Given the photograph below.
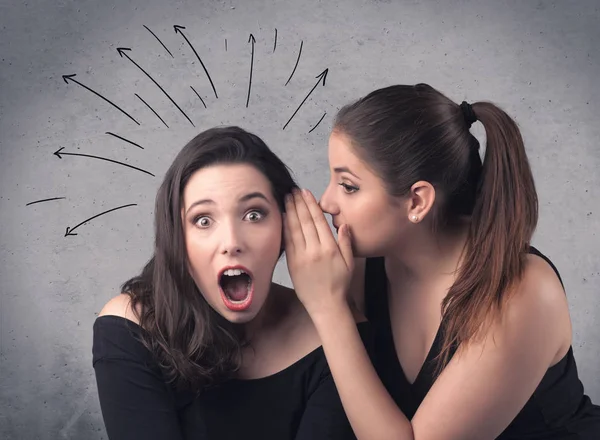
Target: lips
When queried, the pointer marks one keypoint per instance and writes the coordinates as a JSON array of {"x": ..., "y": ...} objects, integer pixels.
[{"x": 236, "y": 285}]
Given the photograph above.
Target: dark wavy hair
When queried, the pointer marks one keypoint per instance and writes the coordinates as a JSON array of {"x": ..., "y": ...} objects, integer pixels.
[{"x": 194, "y": 345}]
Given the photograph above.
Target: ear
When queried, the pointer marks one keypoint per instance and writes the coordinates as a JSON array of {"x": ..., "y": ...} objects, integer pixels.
[{"x": 420, "y": 201}]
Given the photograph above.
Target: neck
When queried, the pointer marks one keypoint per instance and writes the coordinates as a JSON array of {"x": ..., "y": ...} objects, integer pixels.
[
  {"x": 263, "y": 319},
  {"x": 425, "y": 257}
]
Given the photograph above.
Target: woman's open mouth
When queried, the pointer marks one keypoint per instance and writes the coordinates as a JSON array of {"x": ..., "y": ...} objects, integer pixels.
[{"x": 237, "y": 287}]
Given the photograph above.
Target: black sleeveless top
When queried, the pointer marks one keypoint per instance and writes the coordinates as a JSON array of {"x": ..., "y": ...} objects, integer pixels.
[{"x": 558, "y": 409}]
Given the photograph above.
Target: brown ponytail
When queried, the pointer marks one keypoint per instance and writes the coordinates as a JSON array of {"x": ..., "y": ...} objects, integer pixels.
[{"x": 503, "y": 220}]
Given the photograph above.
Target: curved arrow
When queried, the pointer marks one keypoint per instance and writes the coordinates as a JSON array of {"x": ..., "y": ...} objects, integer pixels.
[
  {"x": 70, "y": 230},
  {"x": 178, "y": 29},
  {"x": 58, "y": 153},
  {"x": 163, "y": 45},
  {"x": 122, "y": 52},
  {"x": 296, "y": 66},
  {"x": 45, "y": 200},
  {"x": 320, "y": 76},
  {"x": 70, "y": 77},
  {"x": 253, "y": 40},
  {"x": 123, "y": 139},
  {"x": 317, "y": 124},
  {"x": 153, "y": 111}
]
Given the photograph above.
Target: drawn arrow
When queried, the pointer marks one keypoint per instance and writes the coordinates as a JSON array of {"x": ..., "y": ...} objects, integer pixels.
[
  {"x": 296, "y": 66},
  {"x": 178, "y": 29},
  {"x": 153, "y": 111},
  {"x": 198, "y": 95},
  {"x": 123, "y": 139},
  {"x": 321, "y": 76},
  {"x": 317, "y": 124},
  {"x": 163, "y": 45},
  {"x": 45, "y": 200},
  {"x": 69, "y": 230},
  {"x": 122, "y": 52},
  {"x": 58, "y": 153},
  {"x": 66, "y": 78},
  {"x": 253, "y": 40}
]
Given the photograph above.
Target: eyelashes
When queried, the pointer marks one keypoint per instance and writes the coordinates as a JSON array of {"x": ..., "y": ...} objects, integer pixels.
[{"x": 348, "y": 189}]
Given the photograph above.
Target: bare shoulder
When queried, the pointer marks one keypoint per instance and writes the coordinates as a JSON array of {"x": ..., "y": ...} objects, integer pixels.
[
  {"x": 538, "y": 306},
  {"x": 119, "y": 305}
]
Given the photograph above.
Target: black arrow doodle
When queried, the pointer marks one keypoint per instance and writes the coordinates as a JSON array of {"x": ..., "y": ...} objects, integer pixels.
[
  {"x": 321, "y": 76},
  {"x": 148, "y": 105},
  {"x": 123, "y": 139},
  {"x": 275, "y": 43},
  {"x": 122, "y": 51},
  {"x": 70, "y": 77},
  {"x": 317, "y": 124},
  {"x": 45, "y": 200},
  {"x": 58, "y": 153},
  {"x": 163, "y": 45},
  {"x": 178, "y": 30},
  {"x": 297, "y": 61},
  {"x": 253, "y": 40},
  {"x": 69, "y": 230},
  {"x": 198, "y": 95}
]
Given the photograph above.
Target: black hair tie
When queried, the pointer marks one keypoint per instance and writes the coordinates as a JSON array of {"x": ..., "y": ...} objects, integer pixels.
[{"x": 468, "y": 113}]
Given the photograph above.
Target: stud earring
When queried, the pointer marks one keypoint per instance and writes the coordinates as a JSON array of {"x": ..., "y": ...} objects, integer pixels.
[{"x": 414, "y": 218}]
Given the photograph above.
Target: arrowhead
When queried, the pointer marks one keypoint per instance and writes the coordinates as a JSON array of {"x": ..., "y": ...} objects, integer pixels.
[
  {"x": 323, "y": 75},
  {"x": 66, "y": 77},
  {"x": 57, "y": 152},
  {"x": 121, "y": 50},
  {"x": 251, "y": 38},
  {"x": 68, "y": 232},
  {"x": 178, "y": 28}
]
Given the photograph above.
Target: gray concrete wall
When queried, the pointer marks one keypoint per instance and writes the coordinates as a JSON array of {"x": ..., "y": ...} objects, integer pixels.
[{"x": 540, "y": 60}]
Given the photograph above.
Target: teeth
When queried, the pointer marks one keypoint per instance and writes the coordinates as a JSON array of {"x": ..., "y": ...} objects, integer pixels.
[{"x": 233, "y": 272}]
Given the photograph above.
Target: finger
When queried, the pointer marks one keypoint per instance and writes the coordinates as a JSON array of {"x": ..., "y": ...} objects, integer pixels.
[
  {"x": 306, "y": 221},
  {"x": 319, "y": 220},
  {"x": 345, "y": 245},
  {"x": 287, "y": 238},
  {"x": 293, "y": 224}
]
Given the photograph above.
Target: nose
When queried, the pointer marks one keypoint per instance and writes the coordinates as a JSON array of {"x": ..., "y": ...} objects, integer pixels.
[
  {"x": 327, "y": 202},
  {"x": 231, "y": 240}
]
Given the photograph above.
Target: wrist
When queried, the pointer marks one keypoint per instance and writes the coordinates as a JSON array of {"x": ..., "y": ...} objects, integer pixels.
[{"x": 332, "y": 316}]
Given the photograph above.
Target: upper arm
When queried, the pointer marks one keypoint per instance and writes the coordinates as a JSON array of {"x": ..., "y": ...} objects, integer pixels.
[
  {"x": 134, "y": 398},
  {"x": 324, "y": 416},
  {"x": 487, "y": 383}
]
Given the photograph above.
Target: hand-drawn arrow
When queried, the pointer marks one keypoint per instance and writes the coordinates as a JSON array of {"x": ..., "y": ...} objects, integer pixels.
[
  {"x": 178, "y": 29},
  {"x": 69, "y": 230},
  {"x": 153, "y": 111},
  {"x": 123, "y": 139},
  {"x": 58, "y": 153},
  {"x": 45, "y": 200},
  {"x": 122, "y": 51},
  {"x": 296, "y": 66},
  {"x": 321, "y": 76},
  {"x": 317, "y": 124},
  {"x": 70, "y": 77},
  {"x": 253, "y": 40},
  {"x": 163, "y": 45},
  {"x": 198, "y": 95}
]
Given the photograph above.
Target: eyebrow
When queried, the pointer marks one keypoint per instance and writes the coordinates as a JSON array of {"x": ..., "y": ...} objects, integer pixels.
[
  {"x": 244, "y": 198},
  {"x": 345, "y": 170}
]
